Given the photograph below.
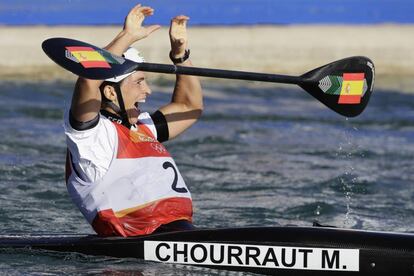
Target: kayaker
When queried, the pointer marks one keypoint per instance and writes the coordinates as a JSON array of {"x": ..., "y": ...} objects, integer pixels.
[{"x": 119, "y": 174}]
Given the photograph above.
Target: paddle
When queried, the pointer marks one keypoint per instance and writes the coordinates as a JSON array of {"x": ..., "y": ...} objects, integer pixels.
[{"x": 345, "y": 85}]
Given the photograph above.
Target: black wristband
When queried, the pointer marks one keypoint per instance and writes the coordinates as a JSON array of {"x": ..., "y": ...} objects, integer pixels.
[{"x": 181, "y": 59}]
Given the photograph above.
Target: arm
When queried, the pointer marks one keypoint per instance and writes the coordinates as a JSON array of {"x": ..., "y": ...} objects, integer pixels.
[
  {"x": 186, "y": 104},
  {"x": 86, "y": 100}
]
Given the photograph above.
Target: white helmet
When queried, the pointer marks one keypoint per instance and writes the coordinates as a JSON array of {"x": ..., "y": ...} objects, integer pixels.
[{"x": 133, "y": 55}]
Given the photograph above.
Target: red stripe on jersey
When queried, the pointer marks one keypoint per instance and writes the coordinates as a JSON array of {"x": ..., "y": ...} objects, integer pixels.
[
  {"x": 145, "y": 220},
  {"x": 138, "y": 144}
]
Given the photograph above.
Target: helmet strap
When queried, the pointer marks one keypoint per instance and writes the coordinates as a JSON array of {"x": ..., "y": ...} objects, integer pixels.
[
  {"x": 121, "y": 110},
  {"x": 113, "y": 106}
]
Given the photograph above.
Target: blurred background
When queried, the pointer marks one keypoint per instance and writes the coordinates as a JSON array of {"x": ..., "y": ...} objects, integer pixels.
[
  {"x": 261, "y": 35},
  {"x": 213, "y": 12},
  {"x": 261, "y": 155}
]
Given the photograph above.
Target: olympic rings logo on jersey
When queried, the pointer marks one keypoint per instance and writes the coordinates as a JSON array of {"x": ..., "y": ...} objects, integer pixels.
[{"x": 158, "y": 147}]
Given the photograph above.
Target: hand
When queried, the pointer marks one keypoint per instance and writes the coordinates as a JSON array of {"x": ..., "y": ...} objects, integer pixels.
[
  {"x": 178, "y": 35},
  {"x": 133, "y": 22}
]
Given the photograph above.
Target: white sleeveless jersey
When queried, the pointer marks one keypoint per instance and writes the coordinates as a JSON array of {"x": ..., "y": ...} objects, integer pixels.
[{"x": 141, "y": 190}]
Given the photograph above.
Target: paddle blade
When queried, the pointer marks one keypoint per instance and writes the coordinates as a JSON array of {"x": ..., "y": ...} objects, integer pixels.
[
  {"x": 345, "y": 85},
  {"x": 86, "y": 60}
]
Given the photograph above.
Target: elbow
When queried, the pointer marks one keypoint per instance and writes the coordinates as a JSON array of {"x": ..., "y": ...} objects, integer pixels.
[
  {"x": 200, "y": 107},
  {"x": 193, "y": 111},
  {"x": 198, "y": 110},
  {"x": 195, "y": 107}
]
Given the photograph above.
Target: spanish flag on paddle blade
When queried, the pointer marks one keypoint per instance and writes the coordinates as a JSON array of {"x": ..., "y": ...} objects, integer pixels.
[
  {"x": 88, "y": 57},
  {"x": 352, "y": 88}
]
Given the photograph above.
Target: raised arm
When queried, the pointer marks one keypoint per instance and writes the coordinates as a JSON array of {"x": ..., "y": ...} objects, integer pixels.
[
  {"x": 86, "y": 100},
  {"x": 187, "y": 101}
]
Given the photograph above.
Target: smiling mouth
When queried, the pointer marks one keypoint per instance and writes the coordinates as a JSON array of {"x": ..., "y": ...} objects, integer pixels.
[{"x": 136, "y": 106}]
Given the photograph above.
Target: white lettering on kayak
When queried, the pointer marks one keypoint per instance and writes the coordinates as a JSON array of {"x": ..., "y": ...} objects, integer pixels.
[{"x": 278, "y": 257}]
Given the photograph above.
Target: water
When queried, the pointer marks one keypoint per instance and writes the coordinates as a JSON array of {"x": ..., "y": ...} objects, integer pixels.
[{"x": 262, "y": 155}]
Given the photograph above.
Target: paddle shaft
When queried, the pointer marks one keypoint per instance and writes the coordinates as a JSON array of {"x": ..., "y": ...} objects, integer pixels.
[
  {"x": 323, "y": 83},
  {"x": 217, "y": 73}
]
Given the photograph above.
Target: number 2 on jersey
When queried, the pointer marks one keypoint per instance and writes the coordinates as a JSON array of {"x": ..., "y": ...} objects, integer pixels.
[{"x": 167, "y": 165}]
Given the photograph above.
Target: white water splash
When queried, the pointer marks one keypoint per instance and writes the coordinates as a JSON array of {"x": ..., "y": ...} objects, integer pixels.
[{"x": 348, "y": 150}]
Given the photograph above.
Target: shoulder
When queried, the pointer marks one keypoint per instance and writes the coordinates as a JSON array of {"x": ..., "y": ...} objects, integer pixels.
[
  {"x": 102, "y": 135},
  {"x": 145, "y": 118},
  {"x": 92, "y": 150},
  {"x": 101, "y": 124}
]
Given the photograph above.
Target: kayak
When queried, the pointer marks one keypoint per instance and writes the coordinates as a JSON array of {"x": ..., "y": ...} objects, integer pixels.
[{"x": 284, "y": 250}]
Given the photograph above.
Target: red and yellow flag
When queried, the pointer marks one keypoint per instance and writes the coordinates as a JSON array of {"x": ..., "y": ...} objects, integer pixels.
[
  {"x": 352, "y": 88},
  {"x": 88, "y": 57}
]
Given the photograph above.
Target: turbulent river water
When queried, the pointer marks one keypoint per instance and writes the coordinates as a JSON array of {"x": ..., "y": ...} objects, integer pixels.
[{"x": 261, "y": 155}]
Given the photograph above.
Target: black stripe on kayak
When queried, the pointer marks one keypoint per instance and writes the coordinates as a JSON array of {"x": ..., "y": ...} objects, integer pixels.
[{"x": 265, "y": 250}]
